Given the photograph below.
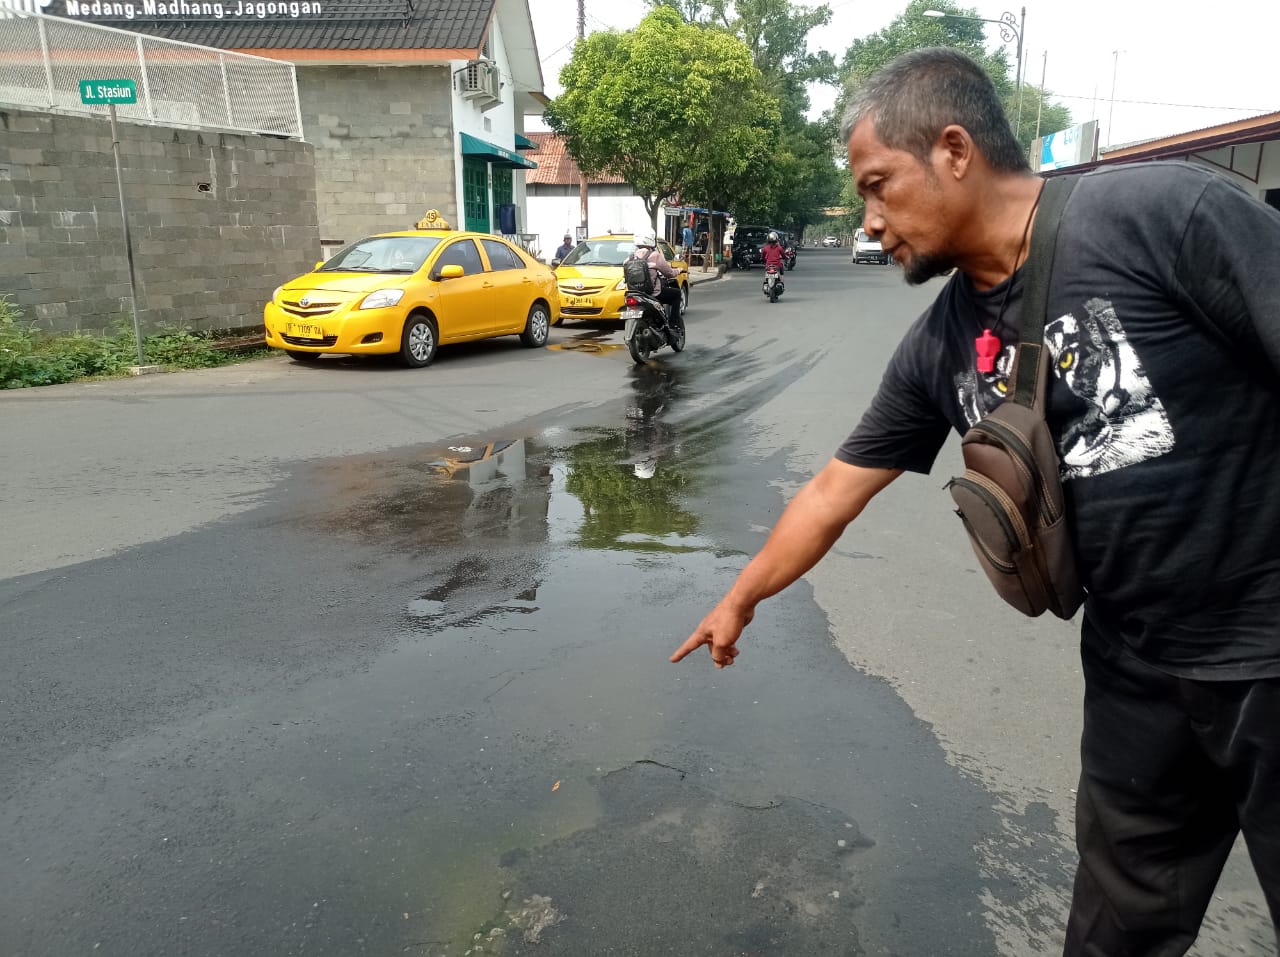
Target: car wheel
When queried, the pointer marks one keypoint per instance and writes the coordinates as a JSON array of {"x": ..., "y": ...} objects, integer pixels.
[
  {"x": 684, "y": 299},
  {"x": 537, "y": 327},
  {"x": 419, "y": 341},
  {"x": 303, "y": 356}
]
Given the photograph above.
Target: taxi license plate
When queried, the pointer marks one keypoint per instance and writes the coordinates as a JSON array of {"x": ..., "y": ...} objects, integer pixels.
[
  {"x": 304, "y": 330},
  {"x": 578, "y": 301}
]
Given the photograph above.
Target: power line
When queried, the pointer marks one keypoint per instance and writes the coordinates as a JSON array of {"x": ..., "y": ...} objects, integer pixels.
[
  {"x": 564, "y": 46},
  {"x": 1186, "y": 106}
]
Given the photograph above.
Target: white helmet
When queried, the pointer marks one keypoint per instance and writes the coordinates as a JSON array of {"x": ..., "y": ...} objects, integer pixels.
[{"x": 646, "y": 238}]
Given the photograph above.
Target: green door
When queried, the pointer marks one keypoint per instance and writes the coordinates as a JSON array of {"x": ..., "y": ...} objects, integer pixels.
[
  {"x": 475, "y": 194},
  {"x": 502, "y": 194}
]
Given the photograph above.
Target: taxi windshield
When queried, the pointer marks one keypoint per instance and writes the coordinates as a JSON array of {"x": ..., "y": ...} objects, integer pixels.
[
  {"x": 600, "y": 252},
  {"x": 383, "y": 254}
]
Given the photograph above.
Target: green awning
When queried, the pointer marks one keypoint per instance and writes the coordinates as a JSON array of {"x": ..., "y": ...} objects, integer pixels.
[
  {"x": 524, "y": 143},
  {"x": 474, "y": 146}
]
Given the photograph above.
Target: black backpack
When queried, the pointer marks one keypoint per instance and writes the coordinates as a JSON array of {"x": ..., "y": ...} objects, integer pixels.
[{"x": 638, "y": 275}]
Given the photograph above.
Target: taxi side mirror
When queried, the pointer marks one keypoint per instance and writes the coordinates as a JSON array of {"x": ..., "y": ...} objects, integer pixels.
[
  {"x": 452, "y": 272},
  {"x": 555, "y": 263}
]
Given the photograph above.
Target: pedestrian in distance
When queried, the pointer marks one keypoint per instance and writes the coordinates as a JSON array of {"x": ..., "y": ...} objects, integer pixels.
[
  {"x": 1163, "y": 335},
  {"x": 566, "y": 247}
]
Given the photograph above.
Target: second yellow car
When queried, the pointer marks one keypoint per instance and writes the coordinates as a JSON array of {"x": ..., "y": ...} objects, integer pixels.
[{"x": 590, "y": 277}]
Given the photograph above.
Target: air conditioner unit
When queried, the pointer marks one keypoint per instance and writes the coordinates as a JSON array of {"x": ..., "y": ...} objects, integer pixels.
[{"x": 480, "y": 81}]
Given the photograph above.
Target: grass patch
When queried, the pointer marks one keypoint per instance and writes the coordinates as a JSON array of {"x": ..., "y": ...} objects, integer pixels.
[{"x": 30, "y": 357}]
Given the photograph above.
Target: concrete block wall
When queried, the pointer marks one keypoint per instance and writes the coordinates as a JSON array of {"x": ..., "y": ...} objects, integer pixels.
[
  {"x": 384, "y": 143},
  {"x": 218, "y": 220}
]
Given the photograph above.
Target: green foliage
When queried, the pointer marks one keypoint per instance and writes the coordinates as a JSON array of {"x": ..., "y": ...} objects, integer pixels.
[
  {"x": 775, "y": 31},
  {"x": 799, "y": 177},
  {"x": 911, "y": 30},
  {"x": 663, "y": 106},
  {"x": 802, "y": 180},
  {"x": 29, "y": 357},
  {"x": 618, "y": 504}
]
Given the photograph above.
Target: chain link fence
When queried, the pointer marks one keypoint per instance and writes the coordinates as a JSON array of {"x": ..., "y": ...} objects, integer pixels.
[{"x": 43, "y": 59}]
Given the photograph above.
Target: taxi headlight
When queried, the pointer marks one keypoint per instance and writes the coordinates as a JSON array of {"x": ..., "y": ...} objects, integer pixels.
[
  {"x": 622, "y": 283},
  {"x": 382, "y": 298},
  {"x": 275, "y": 296}
]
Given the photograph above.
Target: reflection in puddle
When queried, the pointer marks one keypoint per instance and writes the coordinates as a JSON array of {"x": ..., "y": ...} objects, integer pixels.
[
  {"x": 589, "y": 346},
  {"x": 483, "y": 464}
]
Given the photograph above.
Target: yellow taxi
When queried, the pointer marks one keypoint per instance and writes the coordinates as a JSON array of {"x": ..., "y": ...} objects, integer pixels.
[
  {"x": 411, "y": 292},
  {"x": 590, "y": 277}
]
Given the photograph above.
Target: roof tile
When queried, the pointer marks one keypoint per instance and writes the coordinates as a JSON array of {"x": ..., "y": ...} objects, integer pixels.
[
  {"x": 555, "y": 166},
  {"x": 370, "y": 24}
]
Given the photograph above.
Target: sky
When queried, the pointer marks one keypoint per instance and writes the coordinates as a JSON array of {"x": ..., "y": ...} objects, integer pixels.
[{"x": 1176, "y": 67}]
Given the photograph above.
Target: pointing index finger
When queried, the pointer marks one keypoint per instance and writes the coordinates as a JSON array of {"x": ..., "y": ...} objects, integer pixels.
[{"x": 694, "y": 641}]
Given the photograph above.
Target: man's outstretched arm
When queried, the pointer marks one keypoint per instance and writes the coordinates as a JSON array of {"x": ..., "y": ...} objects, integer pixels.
[{"x": 809, "y": 526}]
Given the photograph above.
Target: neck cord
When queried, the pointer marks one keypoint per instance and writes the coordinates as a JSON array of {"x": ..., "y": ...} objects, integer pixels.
[
  {"x": 988, "y": 345},
  {"x": 1026, "y": 231}
]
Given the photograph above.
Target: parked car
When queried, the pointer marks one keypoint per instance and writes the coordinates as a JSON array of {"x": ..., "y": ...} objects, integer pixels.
[
  {"x": 790, "y": 248},
  {"x": 747, "y": 241},
  {"x": 411, "y": 292},
  {"x": 590, "y": 279},
  {"x": 868, "y": 250}
]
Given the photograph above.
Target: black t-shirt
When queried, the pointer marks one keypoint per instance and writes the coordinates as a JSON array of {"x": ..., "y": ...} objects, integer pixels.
[{"x": 1164, "y": 330}]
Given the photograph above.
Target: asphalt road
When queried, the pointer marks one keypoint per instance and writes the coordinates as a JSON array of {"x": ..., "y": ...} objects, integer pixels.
[{"x": 345, "y": 659}]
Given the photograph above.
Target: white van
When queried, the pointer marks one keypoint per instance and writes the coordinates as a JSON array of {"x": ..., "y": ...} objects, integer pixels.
[{"x": 868, "y": 250}]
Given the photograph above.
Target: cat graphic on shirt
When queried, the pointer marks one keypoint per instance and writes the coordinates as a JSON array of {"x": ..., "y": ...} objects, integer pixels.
[{"x": 1124, "y": 422}]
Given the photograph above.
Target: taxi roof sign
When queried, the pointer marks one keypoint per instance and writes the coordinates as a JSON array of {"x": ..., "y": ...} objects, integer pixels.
[{"x": 433, "y": 220}]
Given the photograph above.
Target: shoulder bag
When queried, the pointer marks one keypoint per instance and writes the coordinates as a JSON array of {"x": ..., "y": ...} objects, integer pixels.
[{"x": 1010, "y": 495}]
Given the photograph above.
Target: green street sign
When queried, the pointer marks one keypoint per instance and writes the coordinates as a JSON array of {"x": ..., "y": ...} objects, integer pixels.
[{"x": 102, "y": 92}]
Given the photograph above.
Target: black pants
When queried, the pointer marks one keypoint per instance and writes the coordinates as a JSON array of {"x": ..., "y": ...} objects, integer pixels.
[
  {"x": 1172, "y": 769},
  {"x": 671, "y": 296}
]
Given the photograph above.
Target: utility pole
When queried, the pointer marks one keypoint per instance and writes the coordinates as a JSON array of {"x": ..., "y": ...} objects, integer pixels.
[
  {"x": 583, "y": 193},
  {"x": 1022, "y": 29},
  {"x": 1040, "y": 106},
  {"x": 1112, "y": 111}
]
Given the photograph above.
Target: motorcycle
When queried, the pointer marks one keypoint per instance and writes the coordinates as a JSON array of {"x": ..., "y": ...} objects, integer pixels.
[
  {"x": 646, "y": 327},
  {"x": 789, "y": 257},
  {"x": 773, "y": 285}
]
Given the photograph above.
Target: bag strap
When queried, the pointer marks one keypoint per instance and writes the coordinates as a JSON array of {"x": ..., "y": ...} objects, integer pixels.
[{"x": 1031, "y": 365}]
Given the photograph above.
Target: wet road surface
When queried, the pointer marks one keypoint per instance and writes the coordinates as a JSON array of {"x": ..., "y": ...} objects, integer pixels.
[{"x": 416, "y": 700}]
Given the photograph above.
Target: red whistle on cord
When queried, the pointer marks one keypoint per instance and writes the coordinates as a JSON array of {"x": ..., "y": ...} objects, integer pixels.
[{"x": 988, "y": 347}]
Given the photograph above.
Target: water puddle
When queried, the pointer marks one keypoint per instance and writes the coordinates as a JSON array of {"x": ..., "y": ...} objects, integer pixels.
[
  {"x": 588, "y": 346},
  {"x": 597, "y": 342}
]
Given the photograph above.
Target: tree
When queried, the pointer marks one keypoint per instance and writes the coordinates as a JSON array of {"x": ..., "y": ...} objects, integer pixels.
[
  {"x": 662, "y": 106},
  {"x": 799, "y": 177},
  {"x": 911, "y": 30}
]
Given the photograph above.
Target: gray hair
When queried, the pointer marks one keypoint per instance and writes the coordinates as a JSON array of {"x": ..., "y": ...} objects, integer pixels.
[{"x": 913, "y": 98}]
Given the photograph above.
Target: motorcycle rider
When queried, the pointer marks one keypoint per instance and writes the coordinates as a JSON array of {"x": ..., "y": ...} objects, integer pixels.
[
  {"x": 664, "y": 278},
  {"x": 773, "y": 252}
]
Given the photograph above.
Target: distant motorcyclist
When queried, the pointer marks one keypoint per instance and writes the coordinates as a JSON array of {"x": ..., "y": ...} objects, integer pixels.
[
  {"x": 665, "y": 280},
  {"x": 773, "y": 252}
]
